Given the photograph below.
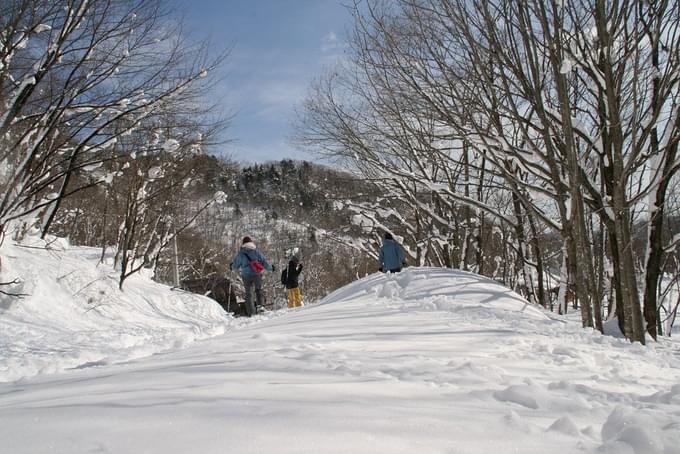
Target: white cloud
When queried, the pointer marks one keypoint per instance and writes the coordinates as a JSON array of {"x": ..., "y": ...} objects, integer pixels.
[
  {"x": 267, "y": 85},
  {"x": 330, "y": 42}
]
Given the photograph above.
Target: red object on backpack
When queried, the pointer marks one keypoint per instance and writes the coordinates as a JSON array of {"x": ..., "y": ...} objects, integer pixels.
[{"x": 256, "y": 266}]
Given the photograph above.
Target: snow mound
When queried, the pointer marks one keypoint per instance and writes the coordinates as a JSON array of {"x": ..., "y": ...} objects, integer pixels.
[
  {"x": 639, "y": 432},
  {"x": 73, "y": 314},
  {"x": 438, "y": 289}
]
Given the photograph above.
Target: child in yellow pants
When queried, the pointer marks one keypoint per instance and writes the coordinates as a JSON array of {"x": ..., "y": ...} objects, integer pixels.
[
  {"x": 294, "y": 297},
  {"x": 289, "y": 277}
]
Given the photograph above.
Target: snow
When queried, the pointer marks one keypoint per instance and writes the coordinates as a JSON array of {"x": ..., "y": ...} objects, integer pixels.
[
  {"x": 427, "y": 360},
  {"x": 155, "y": 172},
  {"x": 76, "y": 316},
  {"x": 220, "y": 197},
  {"x": 107, "y": 178},
  {"x": 42, "y": 28},
  {"x": 171, "y": 145},
  {"x": 93, "y": 166},
  {"x": 567, "y": 65},
  {"x": 5, "y": 171}
]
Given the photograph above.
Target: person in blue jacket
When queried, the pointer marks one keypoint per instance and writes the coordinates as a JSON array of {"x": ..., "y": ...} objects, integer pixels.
[
  {"x": 252, "y": 264},
  {"x": 391, "y": 257}
]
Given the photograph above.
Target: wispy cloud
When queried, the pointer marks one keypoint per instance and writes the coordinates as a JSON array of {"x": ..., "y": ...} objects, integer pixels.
[
  {"x": 333, "y": 50},
  {"x": 330, "y": 42},
  {"x": 266, "y": 82}
]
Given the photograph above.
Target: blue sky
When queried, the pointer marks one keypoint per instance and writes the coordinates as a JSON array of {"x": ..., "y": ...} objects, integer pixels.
[{"x": 279, "y": 46}]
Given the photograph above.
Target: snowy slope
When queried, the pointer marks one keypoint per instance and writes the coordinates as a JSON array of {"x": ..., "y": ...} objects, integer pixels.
[
  {"x": 74, "y": 315},
  {"x": 426, "y": 361}
]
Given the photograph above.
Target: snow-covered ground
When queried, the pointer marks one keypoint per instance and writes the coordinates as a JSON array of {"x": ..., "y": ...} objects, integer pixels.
[
  {"x": 426, "y": 361},
  {"x": 75, "y": 316}
]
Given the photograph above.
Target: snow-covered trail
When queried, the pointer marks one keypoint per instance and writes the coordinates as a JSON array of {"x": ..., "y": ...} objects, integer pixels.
[{"x": 419, "y": 362}]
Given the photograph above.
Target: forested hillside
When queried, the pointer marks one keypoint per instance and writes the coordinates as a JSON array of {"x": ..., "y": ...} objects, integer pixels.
[{"x": 281, "y": 205}]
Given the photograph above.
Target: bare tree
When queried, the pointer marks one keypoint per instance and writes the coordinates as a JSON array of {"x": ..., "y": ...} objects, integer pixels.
[
  {"x": 89, "y": 85},
  {"x": 562, "y": 102},
  {"x": 75, "y": 78}
]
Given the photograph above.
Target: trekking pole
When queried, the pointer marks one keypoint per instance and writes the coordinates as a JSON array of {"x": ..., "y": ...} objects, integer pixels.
[{"x": 231, "y": 279}]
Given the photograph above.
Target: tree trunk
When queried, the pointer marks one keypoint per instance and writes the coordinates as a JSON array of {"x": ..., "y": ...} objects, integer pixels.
[
  {"x": 653, "y": 271},
  {"x": 630, "y": 299},
  {"x": 539, "y": 260}
]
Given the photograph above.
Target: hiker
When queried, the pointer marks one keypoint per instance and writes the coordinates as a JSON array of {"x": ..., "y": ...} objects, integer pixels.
[
  {"x": 289, "y": 278},
  {"x": 252, "y": 264},
  {"x": 391, "y": 258}
]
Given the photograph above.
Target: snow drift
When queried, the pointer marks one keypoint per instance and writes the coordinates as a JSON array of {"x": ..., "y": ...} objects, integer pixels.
[
  {"x": 74, "y": 315},
  {"x": 439, "y": 289}
]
